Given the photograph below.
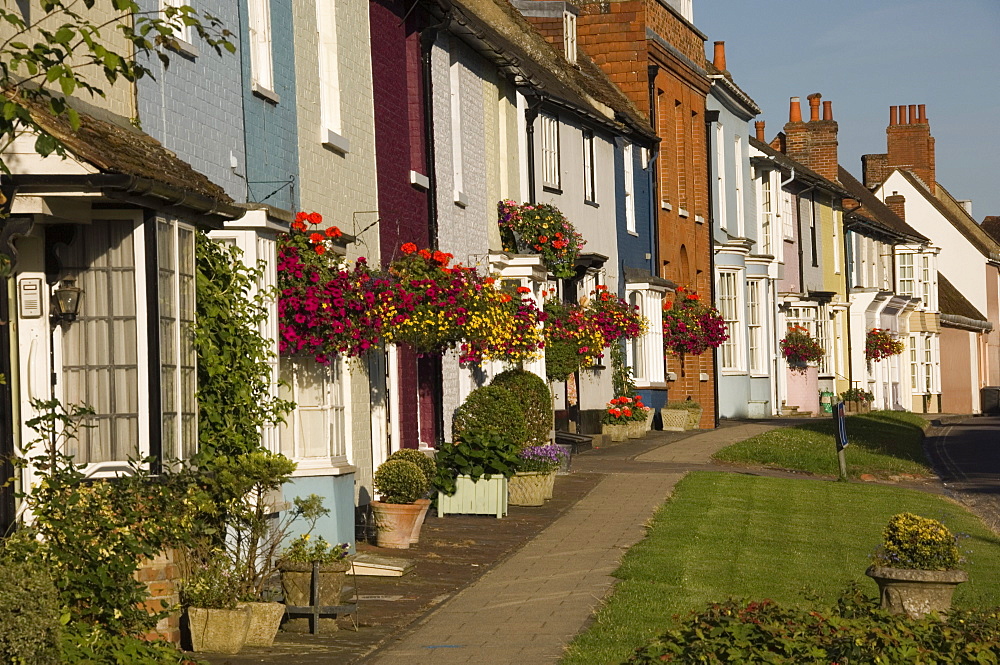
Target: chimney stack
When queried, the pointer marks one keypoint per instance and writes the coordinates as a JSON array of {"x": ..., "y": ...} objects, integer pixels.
[
  {"x": 794, "y": 110},
  {"x": 759, "y": 128},
  {"x": 814, "y": 143},
  {"x": 719, "y": 57},
  {"x": 910, "y": 145},
  {"x": 897, "y": 204}
]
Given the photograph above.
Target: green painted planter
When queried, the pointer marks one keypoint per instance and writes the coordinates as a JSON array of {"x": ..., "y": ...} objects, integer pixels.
[{"x": 486, "y": 496}]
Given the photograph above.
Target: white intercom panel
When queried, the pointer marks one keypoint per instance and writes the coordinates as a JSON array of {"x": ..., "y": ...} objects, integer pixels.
[{"x": 29, "y": 292}]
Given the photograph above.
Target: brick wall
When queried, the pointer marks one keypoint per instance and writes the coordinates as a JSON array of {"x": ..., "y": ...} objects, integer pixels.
[
  {"x": 194, "y": 106},
  {"x": 676, "y": 31},
  {"x": 161, "y": 576},
  {"x": 613, "y": 34},
  {"x": 909, "y": 142}
]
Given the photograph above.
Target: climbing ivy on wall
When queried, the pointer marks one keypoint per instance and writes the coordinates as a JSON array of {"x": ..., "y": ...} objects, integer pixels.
[{"x": 234, "y": 376}]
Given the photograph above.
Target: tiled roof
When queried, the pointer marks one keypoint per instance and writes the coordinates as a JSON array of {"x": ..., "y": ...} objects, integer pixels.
[
  {"x": 875, "y": 211},
  {"x": 118, "y": 148},
  {"x": 801, "y": 172},
  {"x": 951, "y": 301}
]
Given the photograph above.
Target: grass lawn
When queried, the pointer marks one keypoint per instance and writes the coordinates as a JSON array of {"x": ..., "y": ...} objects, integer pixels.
[
  {"x": 727, "y": 535},
  {"x": 882, "y": 443}
]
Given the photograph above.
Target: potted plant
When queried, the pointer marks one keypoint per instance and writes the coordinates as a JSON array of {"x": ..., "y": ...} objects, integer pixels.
[
  {"x": 690, "y": 326},
  {"x": 799, "y": 348},
  {"x": 615, "y": 420},
  {"x": 472, "y": 472},
  {"x": 640, "y": 416},
  {"x": 248, "y": 490},
  {"x": 535, "y": 476},
  {"x": 296, "y": 565},
  {"x": 210, "y": 591},
  {"x": 857, "y": 400},
  {"x": 916, "y": 566},
  {"x": 399, "y": 484},
  {"x": 681, "y": 415},
  {"x": 540, "y": 229},
  {"x": 429, "y": 469}
]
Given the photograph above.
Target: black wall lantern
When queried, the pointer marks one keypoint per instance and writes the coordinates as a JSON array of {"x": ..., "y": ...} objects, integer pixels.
[{"x": 67, "y": 301}]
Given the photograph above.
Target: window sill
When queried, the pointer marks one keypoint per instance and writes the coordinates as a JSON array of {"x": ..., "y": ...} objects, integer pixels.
[
  {"x": 322, "y": 466},
  {"x": 266, "y": 94},
  {"x": 665, "y": 205},
  {"x": 461, "y": 200},
  {"x": 419, "y": 180},
  {"x": 552, "y": 189},
  {"x": 701, "y": 220},
  {"x": 184, "y": 47},
  {"x": 593, "y": 204},
  {"x": 683, "y": 213},
  {"x": 632, "y": 233},
  {"x": 336, "y": 142}
]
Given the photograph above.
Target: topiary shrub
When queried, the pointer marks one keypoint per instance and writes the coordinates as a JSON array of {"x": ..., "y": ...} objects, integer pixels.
[
  {"x": 400, "y": 481},
  {"x": 30, "y": 614},
  {"x": 492, "y": 409},
  {"x": 425, "y": 462},
  {"x": 536, "y": 401}
]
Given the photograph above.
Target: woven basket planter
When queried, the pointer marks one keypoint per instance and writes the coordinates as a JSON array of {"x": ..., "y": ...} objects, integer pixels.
[
  {"x": 694, "y": 419},
  {"x": 550, "y": 483},
  {"x": 527, "y": 489},
  {"x": 674, "y": 420}
]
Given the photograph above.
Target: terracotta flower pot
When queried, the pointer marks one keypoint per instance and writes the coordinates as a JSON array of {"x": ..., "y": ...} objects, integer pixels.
[
  {"x": 218, "y": 631},
  {"x": 425, "y": 504},
  {"x": 916, "y": 593},
  {"x": 526, "y": 489},
  {"x": 395, "y": 523}
]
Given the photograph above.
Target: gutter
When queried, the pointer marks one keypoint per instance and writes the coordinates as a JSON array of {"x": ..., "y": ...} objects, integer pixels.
[{"x": 965, "y": 323}]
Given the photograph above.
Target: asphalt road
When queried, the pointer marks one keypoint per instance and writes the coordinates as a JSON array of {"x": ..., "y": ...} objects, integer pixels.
[{"x": 966, "y": 455}]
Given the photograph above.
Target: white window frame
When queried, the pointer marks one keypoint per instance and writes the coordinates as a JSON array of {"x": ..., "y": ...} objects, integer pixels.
[
  {"x": 720, "y": 174},
  {"x": 916, "y": 373},
  {"x": 628, "y": 159},
  {"x": 334, "y": 412},
  {"x": 730, "y": 305},
  {"x": 261, "y": 57},
  {"x": 551, "y": 169},
  {"x": 787, "y": 218},
  {"x": 906, "y": 277},
  {"x": 825, "y": 339},
  {"x": 332, "y": 133},
  {"x": 569, "y": 37},
  {"x": 182, "y": 32},
  {"x": 654, "y": 369},
  {"x": 756, "y": 306},
  {"x": 589, "y": 167},
  {"x": 767, "y": 214}
]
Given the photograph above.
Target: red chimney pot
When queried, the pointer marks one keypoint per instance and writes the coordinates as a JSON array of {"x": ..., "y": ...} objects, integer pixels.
[
  {"x": 719, "y": 59},
  {"x": 814, "y": 106},
  {"x": 828, "y": 110},
  {"x": 759, "y": 127},
  {"x": 794, "y": 110}
]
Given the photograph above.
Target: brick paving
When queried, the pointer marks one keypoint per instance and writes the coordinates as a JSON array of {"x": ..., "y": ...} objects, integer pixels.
[{"x": 526, "y": 609}]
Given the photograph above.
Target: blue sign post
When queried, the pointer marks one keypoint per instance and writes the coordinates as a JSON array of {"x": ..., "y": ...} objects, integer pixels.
[{"x": 840, "y": 427}]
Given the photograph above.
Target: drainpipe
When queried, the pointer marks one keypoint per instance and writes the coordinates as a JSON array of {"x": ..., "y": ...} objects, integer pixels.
[
  {"x": 712, "y": 117},
  {"x": 654, "y": 169},
  {"x": 530, "y": 114},
  {"x": 847, "y": 291},
  {"x": 798, "y": 222}
]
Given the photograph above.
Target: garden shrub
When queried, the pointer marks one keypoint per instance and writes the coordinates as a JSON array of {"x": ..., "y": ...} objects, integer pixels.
[
  {"x": 914, "y": 542},
  {"x": 536, "y": 401},
  {"x": 425, "y": 462},
  {"x": 855, "y": 630},
  {"x": 30, "y": 614},
  {"x": 91, "y": 645},
  {"x": 492, "y": 409},
  {"x": 400, "y": 481}
]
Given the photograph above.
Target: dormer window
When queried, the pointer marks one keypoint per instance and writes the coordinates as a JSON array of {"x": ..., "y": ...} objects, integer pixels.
[{"x": 569, "y": 36}]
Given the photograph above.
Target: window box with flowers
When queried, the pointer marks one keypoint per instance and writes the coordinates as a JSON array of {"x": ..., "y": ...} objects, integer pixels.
[
  {"x": 540, "y": 229},
  {"x": 881, "y": 344},
  {"x": 800, "y": 349}
]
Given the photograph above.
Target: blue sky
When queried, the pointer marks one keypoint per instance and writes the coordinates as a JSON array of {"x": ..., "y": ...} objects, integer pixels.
[{"x": 868, "y": 55}]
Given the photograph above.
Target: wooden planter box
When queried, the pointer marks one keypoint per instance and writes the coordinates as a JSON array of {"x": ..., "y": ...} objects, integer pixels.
[
  {"x": 486, "y": 496},
  {"x": 857, "y": 407}
]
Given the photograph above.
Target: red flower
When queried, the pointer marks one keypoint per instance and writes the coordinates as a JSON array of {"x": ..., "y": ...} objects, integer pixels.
[
  {"x": 543, "y": 238},
  {"x": 408, "y": 248},
  {"x": 315, "y": 218},
  {"x": 315, "y": 238},
  {"x": 301, "y": 216},
  {"x": 333, "y": 232},
  {"x": 298, "y": 225},
  {"x": 523, "y": 289},
  {"x": 320, "y": 249},
  {"x": 425, "y": 254}
]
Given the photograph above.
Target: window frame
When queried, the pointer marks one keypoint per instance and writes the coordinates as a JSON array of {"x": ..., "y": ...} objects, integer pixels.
[
  {"x": 589, "y": 167},
  {"x": 261, "y": 51},
  {"x": 551, "y": 170},
  {"x": 332, "y": 134},
  {"x": 628, "y": 158},
  {"x": 731, "y": 356},
  {"x": 756, "y": 294}
]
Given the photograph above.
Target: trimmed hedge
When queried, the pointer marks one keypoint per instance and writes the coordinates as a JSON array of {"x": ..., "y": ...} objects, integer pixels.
[
  {"x": 492, "y": 409},
  {"x": 536, "y": 402},
  {"x": 30, "y": 613}
]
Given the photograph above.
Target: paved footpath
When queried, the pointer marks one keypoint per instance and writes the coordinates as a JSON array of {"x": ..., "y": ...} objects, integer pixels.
[{"x": 529, "y": 607}]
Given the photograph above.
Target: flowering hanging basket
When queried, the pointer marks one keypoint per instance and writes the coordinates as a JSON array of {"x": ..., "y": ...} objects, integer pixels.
[
  {"x": 799, "y": 348},
  {"x": 616, "y": 318},
  {"x": 540, "y": 229},
  {"x": 572, "y": 339},
  {"x": 690, "y": 326},
  {"x": 881, "y": 344}
]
